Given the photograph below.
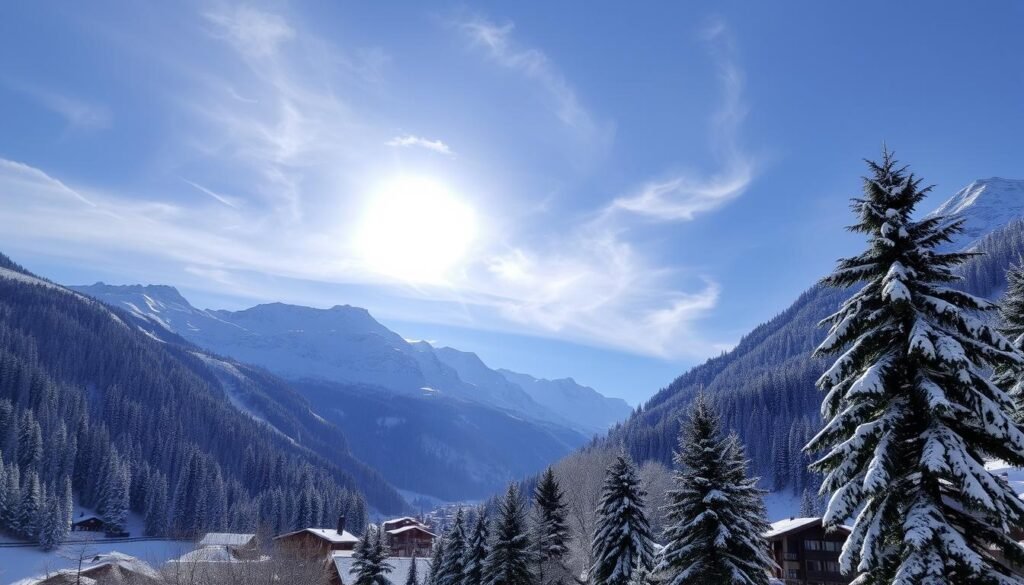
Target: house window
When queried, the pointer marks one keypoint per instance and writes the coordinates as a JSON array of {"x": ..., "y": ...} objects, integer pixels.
[
  {"x": 814, "y": 566},
  {"x": 812, "y": 545},
  {"x": 833, "y": 546},
  {"x": 793, "y": 574},
  {"x": 831, "y": 567}
]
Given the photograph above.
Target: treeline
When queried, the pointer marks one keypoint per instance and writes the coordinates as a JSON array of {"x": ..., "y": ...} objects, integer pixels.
[
  {"x": 764, "y": 387},
  {"x": 92, "y": 406}
]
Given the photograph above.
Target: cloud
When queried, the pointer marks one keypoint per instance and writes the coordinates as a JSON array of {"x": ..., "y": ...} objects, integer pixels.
[
  {"x": 226, "y": 200},
  {"x": 253, "y": 32},
  {"x": 500, "y": 46},
  {"x": 409, "y": 140},
  {"x": 681, "y": 196},
  {"x": 78, "y": 114}
]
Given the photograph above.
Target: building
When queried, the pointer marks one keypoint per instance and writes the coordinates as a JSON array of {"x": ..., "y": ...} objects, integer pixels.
[
  {"x": 408, "y": 537},
  {"x": 400, "y": 569},
  {"x": 239, "y": 546},
  {"x": 111, "y": 567},
  {"x": 806, "y": 554},
  {"x": 87, "y": 524},
  {"x": 317, "y": 542}
]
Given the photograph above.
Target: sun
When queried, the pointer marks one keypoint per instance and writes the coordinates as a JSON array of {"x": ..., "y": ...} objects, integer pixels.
[{"x": 415, "y": 229}]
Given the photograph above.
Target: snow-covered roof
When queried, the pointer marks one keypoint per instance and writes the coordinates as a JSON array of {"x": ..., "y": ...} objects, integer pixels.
[
  {"x": 126, "y": 562},
  {"x": 411, "y": 527},
  {"x": 226, "y": 539},
  {"x": 399, "y": 574},
  {"x": 789, "y": 525},
  {"x": 62, "y": 577},
  {"x": 213, "y": 554},
  {"x": 328, "y": 534}
]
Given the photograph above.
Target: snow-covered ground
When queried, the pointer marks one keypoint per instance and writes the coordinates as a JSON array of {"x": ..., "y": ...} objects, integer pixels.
[{"x": 23, "y": 562}]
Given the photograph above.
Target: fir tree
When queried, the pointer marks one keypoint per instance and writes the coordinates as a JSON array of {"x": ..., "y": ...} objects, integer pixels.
[
  {"x": 476, "y": 551},
  {"x": 455, "y": 549},
  {"x": 551, "y": 531},
  {"x": 622, "y": 540},
  {"x": 716, "y": 513},
  {"x": 508, "y": 560},
  {"x": 1010, "y": 375},
  {"x": 31, "y": 503},
  {"x": 411, "y": 578},
  {"x": 115, "y": 497},
  {"x": 911, "y": 416},
  {"x": 437, "y": 562},
  {"x": 370, "y": 558}
]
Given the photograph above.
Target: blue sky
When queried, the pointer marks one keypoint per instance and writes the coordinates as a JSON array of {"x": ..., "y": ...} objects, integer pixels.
[{"x": 581, "y": 189}]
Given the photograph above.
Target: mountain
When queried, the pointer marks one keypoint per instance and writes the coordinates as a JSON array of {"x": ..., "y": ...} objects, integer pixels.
[
  {"x": 765, "y": 386},
  {"x": 344, "y": 361},
  {"x": 984, "y": 206},
  {"x": 192, "y": 441},
  {"x": 583, "y": 404}
]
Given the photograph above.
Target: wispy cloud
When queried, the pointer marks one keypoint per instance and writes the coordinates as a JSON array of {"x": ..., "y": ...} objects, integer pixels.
[
  {"x": 225, "y": 199},
  {"x": 681, "y": 196},
  {"x": 79, "y": 114},
  {"x": 410, "y": 140},
  {"x": 254, "y": 32},
  {"x": 500, "y": 46}
]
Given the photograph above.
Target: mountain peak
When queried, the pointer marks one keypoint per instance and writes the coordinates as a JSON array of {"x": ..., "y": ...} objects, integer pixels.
[{"x": 984, "y": 205}]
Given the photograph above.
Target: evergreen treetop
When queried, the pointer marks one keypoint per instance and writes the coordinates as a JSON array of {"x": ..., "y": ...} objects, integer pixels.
[
  {"x": 911, "y": 415},
  {"x": 622, "y": 540},
  {"x": 509, "y": 558}
]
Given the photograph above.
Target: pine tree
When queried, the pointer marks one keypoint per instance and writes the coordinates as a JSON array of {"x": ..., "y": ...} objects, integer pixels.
[
  {"x": 437, "y": 562},
  {"x": 508, "y": 560},
  {"x": 115, "y": 497},
  {"x": 1009, "y": 375},
  {"x": 716, "y": 513},
  {"x": 50, "y": 524},
  {"x": 911, "y": 415},
  {"x": 622, "y": 540},
  {"x": 156, "y": 505},
  {"x": 31, "y": 503},
  {"x": 476, "y": 551},
  {"x": 370, "y": 558},
  {"x": 551, "y": 531},
  {"x": 455, "y": 549},
  {"x": 411, "y": 578},
  {"x": 808, "y": 504}
]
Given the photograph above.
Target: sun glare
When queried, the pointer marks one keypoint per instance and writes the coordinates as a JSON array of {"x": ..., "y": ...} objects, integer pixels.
[{"x": 415, "y": 229}]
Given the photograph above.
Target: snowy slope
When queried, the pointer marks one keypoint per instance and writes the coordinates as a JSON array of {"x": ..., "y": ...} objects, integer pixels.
[
  {"x": 582, "y": 404},
  {"x": 984, "y": 205}
]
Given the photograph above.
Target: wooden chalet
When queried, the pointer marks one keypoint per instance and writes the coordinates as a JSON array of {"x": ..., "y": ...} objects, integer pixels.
[
  {"x": 408, "y": 537},
  {"x": 87, "y": 524},
  {"x": 111, "y": 567},
  {"x": 806, "y": 554},
  {"x": 317, "y": 542}
]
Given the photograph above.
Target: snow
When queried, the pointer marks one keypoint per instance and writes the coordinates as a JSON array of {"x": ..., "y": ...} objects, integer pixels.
[
  {"x": 400, "y": 568},
  {"x": 984, "y": 205},
  {"x": 328, "y": 534},
  {"x": 18, "y": 563},
  {"x": 226, "y": 539},
  {"x": 784, "y": 526},
  {"x": 26, "y": 279}
]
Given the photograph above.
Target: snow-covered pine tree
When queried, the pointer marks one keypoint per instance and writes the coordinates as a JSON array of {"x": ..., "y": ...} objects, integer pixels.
[
  {"x": 455, "y": 549},
  {"x": 156, "y": 505},
  {"x": 50, "y": 524},
  {"x": 509, "y": 559},
  {"x": 808, "y": 504},
  {"x": 115, "y": 497},
  {"x": 370, "y": 558},
  {"x": 31, "y": 503},
  {"x": 1010, "y": 375},
  {"x": 911, "y": 416},
  {"x": 622, "y": 539},
  {"x": 476, "y": 551},
  {"x": 11, "y": 518},
  {"x": 716, "y": 513},
  {"x": 436, "y": 562},
  {"x": 551, "y": 531},
  {"x": 412, "y": 578}
]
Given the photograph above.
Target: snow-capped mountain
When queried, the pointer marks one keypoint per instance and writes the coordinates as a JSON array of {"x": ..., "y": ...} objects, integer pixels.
[
  {"x": 984, "y": 205},
  {"x": 586, "y": 405},
  {"x": 343, "y": 344}
]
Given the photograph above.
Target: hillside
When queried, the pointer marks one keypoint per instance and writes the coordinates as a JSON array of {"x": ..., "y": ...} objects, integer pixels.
[
  {"x": 765, "y": 386},
  {"x": 461, "y": 425},
  {"x": 191, "y": 441}
]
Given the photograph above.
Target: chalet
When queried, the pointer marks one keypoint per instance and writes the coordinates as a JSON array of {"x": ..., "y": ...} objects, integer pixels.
[
  {"x": 317, "y": 542},
  {"x": 408, "y": 537},
  {"x": 111, "y": 567},
  {"x": 805, "y": 553},
  {"x": 346, "y": 574},
  {"x": 239, "y": 546},
  {"x": 87, "y": 524}
]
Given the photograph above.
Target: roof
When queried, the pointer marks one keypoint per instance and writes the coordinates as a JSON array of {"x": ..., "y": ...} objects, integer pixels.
[
  {"x": 328, "y": 534},
  {"x": 62, "y": 577},
  {"x": 412, "y": 527},
  {"x": 226, "y": 539},
  {"x": 402, "y": 519},
  {"x": 398, "y": 575},
  {"x": 783, "y": 527},
  {"x": 213, "y": 554},
  {"x": 87, "y": 518}
]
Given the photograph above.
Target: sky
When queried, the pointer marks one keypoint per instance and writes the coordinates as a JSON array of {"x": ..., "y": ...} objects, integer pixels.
[{"x": 594, "y": 190}]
